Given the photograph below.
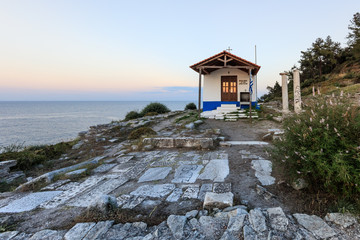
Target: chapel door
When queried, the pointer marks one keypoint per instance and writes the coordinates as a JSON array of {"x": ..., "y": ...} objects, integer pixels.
[{"x": 228, "y": 88}]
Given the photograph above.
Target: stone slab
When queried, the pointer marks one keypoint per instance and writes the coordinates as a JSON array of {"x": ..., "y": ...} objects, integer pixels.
[
  {"x": 315, "y": 225},
  {"x": 206, "y": 187},
  {"x": 221, "y": 187},
  {"x": 48, "y": 235},
  {"x": 216, "y": 170},
  {"x": 104, "y": 168},
  {"x": 154, "y": 174},
  {"x": 123, "y": 199},
  {"x": 55, "y": 185},
  {"x": 175, "y": 195},
  {"x": 79, "y": 231},
  {"x": 133, "y": 202},
  {"x": 263, "y": 169},
  {"x": 278, "y": 219},
  {"x": 187, "y": 173},
  {"x": 98, "y": 230},
  {"x": 155, "y": 191},
  {"x": 218, "y": 200},
  {"x": 7, "y": 164},
  {"x": 176, "y": 225},
  {"x": 257, "y": 220},
  {"x": 246, "y": 142},
  {"x": 29, "y": 202},
  {"x": 76, "y": 172},
  {"x": 265, "y": 179},
  {"x": 104, "y": 188},
  {"x": 73, "y": 191},
  {"x": 8, "y": 235},
  {"x": 191, "y": 192},
  {"x": 343, "y": 219}
]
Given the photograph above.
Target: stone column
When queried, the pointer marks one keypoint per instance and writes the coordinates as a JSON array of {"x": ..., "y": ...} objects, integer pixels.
[
  {"x": 297, "y": 91},
  {"x": 285, "y": 94}
]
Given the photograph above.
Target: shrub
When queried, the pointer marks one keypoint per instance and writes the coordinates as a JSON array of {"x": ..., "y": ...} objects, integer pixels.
[
  {"x": 132, "y": 115},
  {"x": 322, "y": 145},
  {"x": 155, "y": 107},
  {"x": 137, "y": 133},
  {"x": 190, "y": 106},
  {"x": 35, "y": 155}
]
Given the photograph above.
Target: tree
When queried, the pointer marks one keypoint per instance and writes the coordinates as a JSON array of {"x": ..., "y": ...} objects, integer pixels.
[
  {"x": 321, "y": 58},
  {"x": 354, "y": 36}
]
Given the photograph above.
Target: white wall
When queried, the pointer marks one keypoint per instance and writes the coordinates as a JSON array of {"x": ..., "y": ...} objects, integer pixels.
[{"x": 212, "y": 83}]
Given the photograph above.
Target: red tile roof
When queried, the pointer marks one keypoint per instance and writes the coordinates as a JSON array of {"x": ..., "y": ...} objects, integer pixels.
[{"x": 239, "y": 59}]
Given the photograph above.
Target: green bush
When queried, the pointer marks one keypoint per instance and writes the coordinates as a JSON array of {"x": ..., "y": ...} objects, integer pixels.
[
  {"x": 132, "y": 115},
  {"x": 155, "y": 107},
  {"x": 190, "y": 106},
  {"x": 322, "y": 145},
  {"x": 34, "y": 155},
  {"x": 143, "y": 131}
]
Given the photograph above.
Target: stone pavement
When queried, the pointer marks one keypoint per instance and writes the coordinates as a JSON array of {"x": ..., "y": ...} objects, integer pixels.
[
  {"x": 190, "y": 187},
  {"x": 235, "y": 222}
]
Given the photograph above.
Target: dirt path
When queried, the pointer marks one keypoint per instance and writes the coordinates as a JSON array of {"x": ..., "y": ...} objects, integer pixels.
[{"x": 242, "y": 176}]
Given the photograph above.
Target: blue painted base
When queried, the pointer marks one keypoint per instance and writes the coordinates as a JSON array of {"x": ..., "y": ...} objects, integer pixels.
[{"x": 212, "y": 105}]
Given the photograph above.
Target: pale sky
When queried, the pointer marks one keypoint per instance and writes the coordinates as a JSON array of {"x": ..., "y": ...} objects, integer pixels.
[{"x": 142, "y": 50}]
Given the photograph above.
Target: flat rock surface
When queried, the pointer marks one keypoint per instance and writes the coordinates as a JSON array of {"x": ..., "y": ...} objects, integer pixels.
[
  {"x": 315, "y": 225},
  {"x": 218, "y": 200},
  {"x": 79, "y": 231},
  {"x": 154, "y": 174},
  {"x": 29, "y": 202},
  {"x": 187, "y": 173},
  {"x": 155, "y": 191},
  {"x": 343, "y": 219},
  {"x": 216, "y": 170}
]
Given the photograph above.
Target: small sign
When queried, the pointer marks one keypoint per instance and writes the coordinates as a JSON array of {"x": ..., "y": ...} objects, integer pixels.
[{"x": 242, "y": 82}]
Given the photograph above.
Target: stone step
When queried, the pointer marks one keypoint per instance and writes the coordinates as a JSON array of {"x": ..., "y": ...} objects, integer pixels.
[
  {"x": 228, "y": 105},
  {"x": 231, "y": 119}
]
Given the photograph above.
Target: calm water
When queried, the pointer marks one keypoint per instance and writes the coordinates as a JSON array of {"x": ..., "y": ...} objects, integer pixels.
[{"x": 35, "y": 123}]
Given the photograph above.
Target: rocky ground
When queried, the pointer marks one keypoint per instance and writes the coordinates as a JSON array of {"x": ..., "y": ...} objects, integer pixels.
[{"x": 200, "y": 180}]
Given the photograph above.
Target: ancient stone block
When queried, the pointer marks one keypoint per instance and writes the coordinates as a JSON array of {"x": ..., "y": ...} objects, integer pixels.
[{"x": 218, "y": 200}]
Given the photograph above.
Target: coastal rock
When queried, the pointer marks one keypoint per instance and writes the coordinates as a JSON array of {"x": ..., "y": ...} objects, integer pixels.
[
  {"x": 79, "y": 231},
  {"x": 190, "y": 126},
  {"x": 343, "y": 219},
  {"x": 315, "y": 225},
  {"x": 8, "y": 235},
  {"x": 278, "y": 220},
  {"x": 176, "y": 225},
  {"x": 191, "y": 214},
  {"x": 213, "y": 227},
  {"x": 48, "y": 235},
  {"x": 257, "y": 220}
]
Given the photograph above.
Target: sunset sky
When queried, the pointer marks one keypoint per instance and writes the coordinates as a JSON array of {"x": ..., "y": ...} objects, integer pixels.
[{"x": 142, "y": 50}]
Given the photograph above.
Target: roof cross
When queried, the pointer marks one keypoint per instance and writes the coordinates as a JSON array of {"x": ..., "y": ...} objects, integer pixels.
[{"x": 228, "y": 49}]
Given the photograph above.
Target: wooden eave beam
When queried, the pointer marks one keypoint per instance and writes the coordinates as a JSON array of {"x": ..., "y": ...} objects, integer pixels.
[{"x": 244, "y": 67}]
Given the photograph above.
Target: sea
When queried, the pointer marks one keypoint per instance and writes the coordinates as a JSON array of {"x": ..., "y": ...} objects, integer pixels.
[{"x": 41, "y": 123}]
